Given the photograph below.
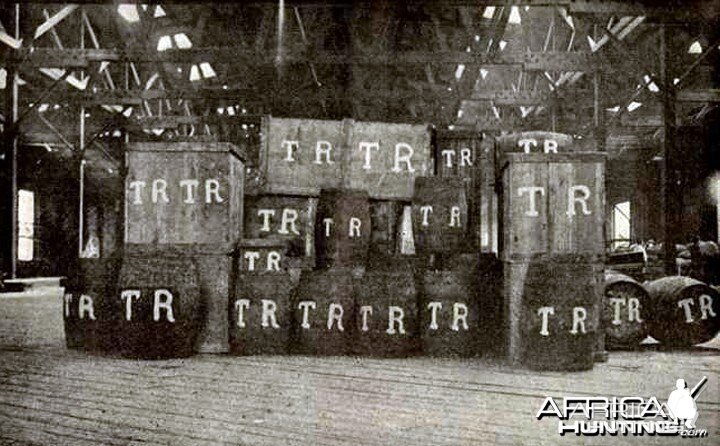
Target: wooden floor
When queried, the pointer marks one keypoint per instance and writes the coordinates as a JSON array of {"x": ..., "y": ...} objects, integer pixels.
[{"x": 53, "y": 396}]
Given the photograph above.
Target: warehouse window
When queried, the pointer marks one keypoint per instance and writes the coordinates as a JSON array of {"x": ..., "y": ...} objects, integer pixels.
[
  {"x": 26, "y": 224},
  {"x": 621, "y": 224}
]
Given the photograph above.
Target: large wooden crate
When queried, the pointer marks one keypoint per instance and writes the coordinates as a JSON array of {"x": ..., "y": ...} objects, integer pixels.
[
  {"x": 303, "y": 156},
  {"x": 552, "y": 204},
  {"x": 183, "y": 192}
]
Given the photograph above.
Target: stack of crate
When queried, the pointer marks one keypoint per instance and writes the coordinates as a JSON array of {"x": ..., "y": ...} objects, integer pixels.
[{"x": 553, "y": 204}]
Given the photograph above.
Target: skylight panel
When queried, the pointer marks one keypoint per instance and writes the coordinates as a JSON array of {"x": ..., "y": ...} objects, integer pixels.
[
  {"x": 164, "y": 43},
  {"x": 182, "y": 41},
  {"x": 514, "y": 16},
  {"x": 207, "y": 70},
  {"x": 194, "y": 73},
  {"x": 129, "y": 12},
  {"x": 634, "y": 106},
  {"x": 159, "y": 12}
]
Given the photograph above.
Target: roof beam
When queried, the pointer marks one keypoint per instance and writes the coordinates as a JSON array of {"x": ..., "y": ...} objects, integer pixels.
[
  {"x": 54, "y": 20},
  {"x": 710, "y": 95},
  {"x": 545, "y": 61}
]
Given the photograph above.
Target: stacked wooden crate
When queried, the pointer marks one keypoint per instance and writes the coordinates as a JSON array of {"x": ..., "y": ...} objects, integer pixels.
[
  {"x": 552, "y": 221},
  {"x": 335, "y": 190},
  {"x": 183, "y": 217}
]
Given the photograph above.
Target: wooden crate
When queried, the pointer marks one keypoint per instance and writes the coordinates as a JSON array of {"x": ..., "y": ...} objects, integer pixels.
[
  {"x": 190, "y": 192},
  {"x": 552, "y": 204},
  {"x": 303, "y": 156},
  {"x": 288, "y": 218},
  {"x": 386, "y": 176}
]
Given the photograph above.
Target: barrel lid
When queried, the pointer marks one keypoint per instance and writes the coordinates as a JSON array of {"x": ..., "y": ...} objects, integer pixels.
[{"x": 561, "y": 138}]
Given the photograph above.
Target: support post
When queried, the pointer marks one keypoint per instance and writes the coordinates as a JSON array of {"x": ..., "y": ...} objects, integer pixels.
[
  {"x": 9, "y": 241},
  {"x": 672, "y": 187},
  {"x": 598, "y": 112}
]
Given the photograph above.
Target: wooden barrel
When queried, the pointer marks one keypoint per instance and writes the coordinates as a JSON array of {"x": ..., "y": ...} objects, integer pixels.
[
  {"x": 450, "y": 309},
  {"x": 684, "y": 311},
  {"x": 538, "y": 142},
  {"x": 87, "y": 304},
  {"x": 553, "y": 312},
  {"x": 159, "y": 311},
  {"x": 386, "y": 312},
  {"x": 260, "y": 308},
  {"x": 385, "y": 219},
  {"x": 459, "y": 154},
  {"x": 625, "y": 305},
  {"x": 460, "y": 307},
  {"x": 440, "y": 215},
  {"x": 323, "y": 314},
  {"x": 342, "y": 228}
]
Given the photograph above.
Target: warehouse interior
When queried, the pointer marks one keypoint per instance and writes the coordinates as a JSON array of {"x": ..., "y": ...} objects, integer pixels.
[
  {"x": 91, "y": 89},
  {"x": 169, "y": 72}
]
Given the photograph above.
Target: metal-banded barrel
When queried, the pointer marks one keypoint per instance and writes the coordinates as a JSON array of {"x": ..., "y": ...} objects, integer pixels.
[
  {"x": 159, "y": 311},
  {"x": 87, "y": 304},
  {"x": 342, "y": 228},
  {"x": 260, "y": 307},
  {"x": 386, "y": 312},
  {"x": 552, "y": 312},
  {"x": 440, "y": 215},
  {"x": 625, "y": 306},
  {"x": 323, "y": 316},
  {"x": 684, "y": 311},
  {"x": 385, "y": 220},
  {"x": 460, "y": 154},
  {"x": 461, "y": 306},
  {"x": 544, "y": 142}
]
